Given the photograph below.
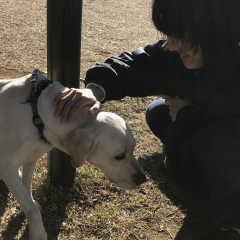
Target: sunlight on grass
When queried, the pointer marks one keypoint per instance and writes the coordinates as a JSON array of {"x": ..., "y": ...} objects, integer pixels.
[
  {"x": 88, "y": 171},
  {"x": 135, "y": 203},
  {"x": 105, "y": 215}
]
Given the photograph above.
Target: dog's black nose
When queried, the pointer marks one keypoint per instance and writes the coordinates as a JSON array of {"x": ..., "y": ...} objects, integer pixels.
[{"x": 139, "y": 178}]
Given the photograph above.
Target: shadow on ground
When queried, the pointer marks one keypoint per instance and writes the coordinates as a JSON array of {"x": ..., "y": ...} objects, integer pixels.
[
  {"x": 193, "y": 228},
  {"x": 3, "y": 197},
  {"x": 14, "y": 222},
  {"x": 54, "y": 200}
]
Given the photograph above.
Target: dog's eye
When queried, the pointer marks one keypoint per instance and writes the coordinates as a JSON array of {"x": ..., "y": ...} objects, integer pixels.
[{"x": 121, "y": 156}]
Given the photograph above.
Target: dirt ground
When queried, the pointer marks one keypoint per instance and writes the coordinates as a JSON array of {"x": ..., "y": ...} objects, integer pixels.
[{"x": 156, "y": 211}]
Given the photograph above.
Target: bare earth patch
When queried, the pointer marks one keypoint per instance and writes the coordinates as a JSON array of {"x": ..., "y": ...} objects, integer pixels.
[{"x": 93, "y": 208}]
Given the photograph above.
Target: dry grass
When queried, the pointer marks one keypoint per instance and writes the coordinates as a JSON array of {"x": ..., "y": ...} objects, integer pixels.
[{"x": 93, "y": 208}]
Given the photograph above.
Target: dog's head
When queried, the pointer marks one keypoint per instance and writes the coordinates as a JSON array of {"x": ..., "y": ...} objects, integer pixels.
[{"x": 108, "y": 144}]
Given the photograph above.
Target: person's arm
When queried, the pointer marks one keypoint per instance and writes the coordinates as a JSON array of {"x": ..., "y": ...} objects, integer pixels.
[
  {"x": 149, "y": 70},
  {"x": 145, "y": 71}
]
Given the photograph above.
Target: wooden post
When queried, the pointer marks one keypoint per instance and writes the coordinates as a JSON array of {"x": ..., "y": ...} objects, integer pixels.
[{"x": 64, "y": 20}]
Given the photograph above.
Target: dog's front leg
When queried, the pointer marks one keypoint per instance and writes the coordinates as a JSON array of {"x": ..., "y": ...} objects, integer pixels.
[
  {"x": 12, "y": 180},
  {"x": 27, "y": 173}
]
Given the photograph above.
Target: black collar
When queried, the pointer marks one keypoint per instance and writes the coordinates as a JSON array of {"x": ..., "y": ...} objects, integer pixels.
[{"x": 37, "y": 88}]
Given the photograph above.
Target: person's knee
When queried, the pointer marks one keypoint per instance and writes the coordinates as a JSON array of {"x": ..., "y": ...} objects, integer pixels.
[
  {"x": 153, "y": 110},
  {"x": 158, "y": 118}
]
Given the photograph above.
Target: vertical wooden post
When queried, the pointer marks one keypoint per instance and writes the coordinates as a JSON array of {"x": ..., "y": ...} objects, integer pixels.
[{"x": 64, "y": 20}]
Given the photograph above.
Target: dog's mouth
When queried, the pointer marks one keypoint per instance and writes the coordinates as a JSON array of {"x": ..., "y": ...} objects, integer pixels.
[{"x": 139, "y": 178}]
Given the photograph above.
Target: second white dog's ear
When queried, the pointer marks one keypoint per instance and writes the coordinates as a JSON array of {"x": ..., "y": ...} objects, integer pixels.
[{"x": 79, "y": 144}]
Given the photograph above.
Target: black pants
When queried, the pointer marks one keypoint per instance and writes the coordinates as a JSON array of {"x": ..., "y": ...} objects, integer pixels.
[{"x": 158, "y": 118}]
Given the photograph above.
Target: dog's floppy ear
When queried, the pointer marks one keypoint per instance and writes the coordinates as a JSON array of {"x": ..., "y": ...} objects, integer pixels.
[{"x": 79, "y": 144}]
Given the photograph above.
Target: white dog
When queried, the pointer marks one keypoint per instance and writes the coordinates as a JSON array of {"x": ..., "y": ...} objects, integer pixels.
[{"x": 104, "y": 140}]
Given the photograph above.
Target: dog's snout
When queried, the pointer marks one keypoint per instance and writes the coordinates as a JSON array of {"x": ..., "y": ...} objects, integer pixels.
[{"x": 139, "y": 178}]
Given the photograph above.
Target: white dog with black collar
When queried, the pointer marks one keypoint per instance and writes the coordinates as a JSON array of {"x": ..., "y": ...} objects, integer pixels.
[{"x": 104, "y": 140}]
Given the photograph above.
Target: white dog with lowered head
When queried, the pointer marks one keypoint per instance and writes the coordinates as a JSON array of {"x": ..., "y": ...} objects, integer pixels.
[{"x": 104, "y": 140}]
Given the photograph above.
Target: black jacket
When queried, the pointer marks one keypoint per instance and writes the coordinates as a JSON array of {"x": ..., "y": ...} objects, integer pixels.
[{"x": 203, "y": 144}]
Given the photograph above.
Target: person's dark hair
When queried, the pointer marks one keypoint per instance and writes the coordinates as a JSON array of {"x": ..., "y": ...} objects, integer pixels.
[{"x": 212, "y": 25}]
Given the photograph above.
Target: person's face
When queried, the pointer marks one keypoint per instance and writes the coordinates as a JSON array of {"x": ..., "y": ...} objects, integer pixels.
[{"x": 190, "y": 58}]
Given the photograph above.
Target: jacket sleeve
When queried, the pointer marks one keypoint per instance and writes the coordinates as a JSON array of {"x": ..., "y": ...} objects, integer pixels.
[{"x": 143, "y": 72}]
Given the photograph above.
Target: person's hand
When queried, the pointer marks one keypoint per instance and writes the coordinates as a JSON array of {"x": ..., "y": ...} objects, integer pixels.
[
  {"x": 175, "y": 104},
  {"x": 69, "y": 102}
]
